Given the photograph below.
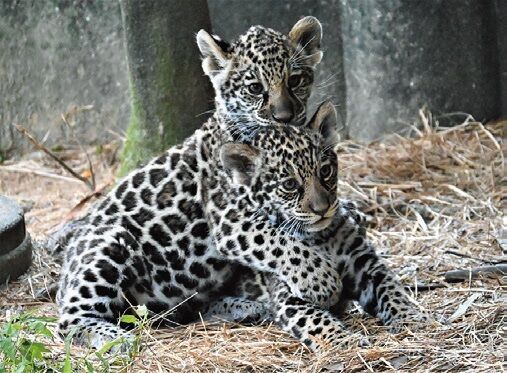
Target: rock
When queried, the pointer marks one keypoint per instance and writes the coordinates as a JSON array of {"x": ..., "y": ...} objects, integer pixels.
[{"x": 15, "y": 244}]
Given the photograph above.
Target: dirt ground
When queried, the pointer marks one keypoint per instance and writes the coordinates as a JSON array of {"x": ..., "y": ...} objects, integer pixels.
[{"x": 435, "y": 203}]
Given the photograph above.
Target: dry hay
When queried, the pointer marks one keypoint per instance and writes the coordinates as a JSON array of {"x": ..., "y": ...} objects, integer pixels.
[{"x": 435, "y": 202}]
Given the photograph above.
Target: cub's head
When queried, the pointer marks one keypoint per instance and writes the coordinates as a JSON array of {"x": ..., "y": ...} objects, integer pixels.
[
  {"x": 264, "y": 77},
  {"x": 291, "y": 173}
]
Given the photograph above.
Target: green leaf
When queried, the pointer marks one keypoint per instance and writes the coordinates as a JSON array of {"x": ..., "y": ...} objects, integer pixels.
[
  {"x": 109, "y": 345},
  {"x": 36, "y": 349},
  {"x": 8, "y": 348},
  {"x": 128, "y": 319},
  {"x": 41, "y": 328},
  {"x": 67, "y": 365},
  {"x": 21, "y": 368},
  {"x": 89, "y": 367}
]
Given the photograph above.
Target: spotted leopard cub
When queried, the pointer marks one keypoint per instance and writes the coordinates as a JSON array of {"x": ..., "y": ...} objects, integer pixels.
[{"x": 365, "y": 278}]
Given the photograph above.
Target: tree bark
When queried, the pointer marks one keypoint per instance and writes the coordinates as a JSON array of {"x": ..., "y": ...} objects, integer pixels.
[{"x": 167, "y": 86}]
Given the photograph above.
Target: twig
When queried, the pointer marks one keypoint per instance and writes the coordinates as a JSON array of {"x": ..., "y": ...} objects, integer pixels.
[
  {"x": 426, "y": 287},
  {"x": 39, "y": 146},
  {"x": 90, "y": 166},
  {"x": 463, "y": 255},
  {"x": 486, "y": 271},
  {"x": 99, "y": 192},
  {"x": 38, "y": 173}
]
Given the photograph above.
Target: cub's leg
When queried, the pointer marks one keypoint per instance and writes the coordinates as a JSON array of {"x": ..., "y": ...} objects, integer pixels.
[
  {"x": 247, "y": 299},
  {"x": 238, "y": 309},
  {"x": 261, "y": 296},
  {"x": 378, "y": 290},
  {"x": 311, "y": 274},
  {"x": 98, "y": 272},
  {"x": 315, "y": 327}
]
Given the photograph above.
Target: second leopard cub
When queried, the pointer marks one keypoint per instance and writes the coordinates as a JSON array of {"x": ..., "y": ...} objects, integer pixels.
[
  {"x": 364, "y": 277},
  {"x": 125, "y": 254}
]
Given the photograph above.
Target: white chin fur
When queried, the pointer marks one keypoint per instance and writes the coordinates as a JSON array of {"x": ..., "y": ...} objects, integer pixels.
[{"x": 318, "y": 226}]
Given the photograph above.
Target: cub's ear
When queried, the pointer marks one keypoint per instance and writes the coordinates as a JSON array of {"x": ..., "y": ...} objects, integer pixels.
[
  {"x": 214, "y": 52},
  {"x": 325, "y": 121},
  {"x": 306, "y": 35},
  {"x": 241, "y": 161}
]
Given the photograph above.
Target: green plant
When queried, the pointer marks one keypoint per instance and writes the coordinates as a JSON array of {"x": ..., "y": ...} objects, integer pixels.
[
  {"x": 21, "y": 346},
  {"x": 27, "y": 344}
]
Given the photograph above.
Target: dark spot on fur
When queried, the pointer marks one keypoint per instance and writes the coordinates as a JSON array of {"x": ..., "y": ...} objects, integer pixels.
[
  {"x": 174, "y": 223},
  {"x": 243, "y": 243},
  {"x": 200, "y": 230},
  {"x": 129, "y": 201},
  {"x": 108, "y": 271},
  {"x": 157, "y": 175},
  {"x": 199, "y": 249},
  {"x": 106, "y": 291},
  {"x": 143, "y": 216},
  {"x": 186, "y": 281},
  {"x": 121, "y": 189},
  {"x": 85, "y": 292},
  {"x": 172, "y": 291},
  {"x": 159, "y": 235},
  {"x": 199, "y": 270},
  {"x": 137, "y": 179},
  {"x": 89, "y": 276},
  {"x": 177, "y": 261},
  {"x": 117, "y": 253},
  {"x": 258, "y": 254}
]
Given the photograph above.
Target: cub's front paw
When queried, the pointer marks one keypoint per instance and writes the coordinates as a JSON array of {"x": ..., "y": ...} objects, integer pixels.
[
  {"x": 349, "y": 340},
  {"x": 413, "y": 320}
]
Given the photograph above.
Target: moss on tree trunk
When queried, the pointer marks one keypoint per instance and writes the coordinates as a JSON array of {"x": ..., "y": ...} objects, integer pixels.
[{"x": 167, "y": 87}]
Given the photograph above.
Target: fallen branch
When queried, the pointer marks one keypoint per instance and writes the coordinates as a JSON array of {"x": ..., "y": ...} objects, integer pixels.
[
  {"x": 38, "y": 173},
  {"x": 492, "y": 271},
  {"x": 420, "y": 286},
  {"x": 39, "y": 146},
  {"x": 97, "y": 193},
  {"x": 463, "y": 255},
  {"x": 460, "y": 275}
]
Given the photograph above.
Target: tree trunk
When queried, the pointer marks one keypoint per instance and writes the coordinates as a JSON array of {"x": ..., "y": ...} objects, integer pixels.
[{"x": 167, "y": 86}]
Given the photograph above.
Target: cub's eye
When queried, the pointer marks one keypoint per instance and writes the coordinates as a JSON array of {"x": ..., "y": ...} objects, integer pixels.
[
  {"x": 255, "y": 88},
  {"x": 326, "y": 171},
  {"x": 295, "y": 80},
  {"x": 290, "y": 185}
]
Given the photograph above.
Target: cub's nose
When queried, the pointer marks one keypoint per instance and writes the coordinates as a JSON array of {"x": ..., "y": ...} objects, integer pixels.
[
  {"x": 283, "y": 116},
  {"x": 320, "y": 205}
]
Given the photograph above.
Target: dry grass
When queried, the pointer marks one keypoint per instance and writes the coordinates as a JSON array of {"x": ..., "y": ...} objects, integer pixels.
[{"x": 436, "y": 202}]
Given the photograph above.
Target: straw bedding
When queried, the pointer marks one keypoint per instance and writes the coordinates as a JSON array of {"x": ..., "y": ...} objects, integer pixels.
[{"x": 435, "y": 203}]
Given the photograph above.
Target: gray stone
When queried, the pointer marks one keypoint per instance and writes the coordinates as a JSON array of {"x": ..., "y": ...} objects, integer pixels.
[
  {"x": 401, "y": 55},
  {"x": 58, "y": 57},
  {"x": 16, "y": 262},
  {"x": 12, "y": 225},
  {"x": 15, "y": 244}
]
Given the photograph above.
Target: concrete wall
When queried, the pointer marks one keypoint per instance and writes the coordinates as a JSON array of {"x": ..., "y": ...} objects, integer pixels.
[
  {"x": 56, "y": 56},
  {"x": 59, "y": 55}
]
